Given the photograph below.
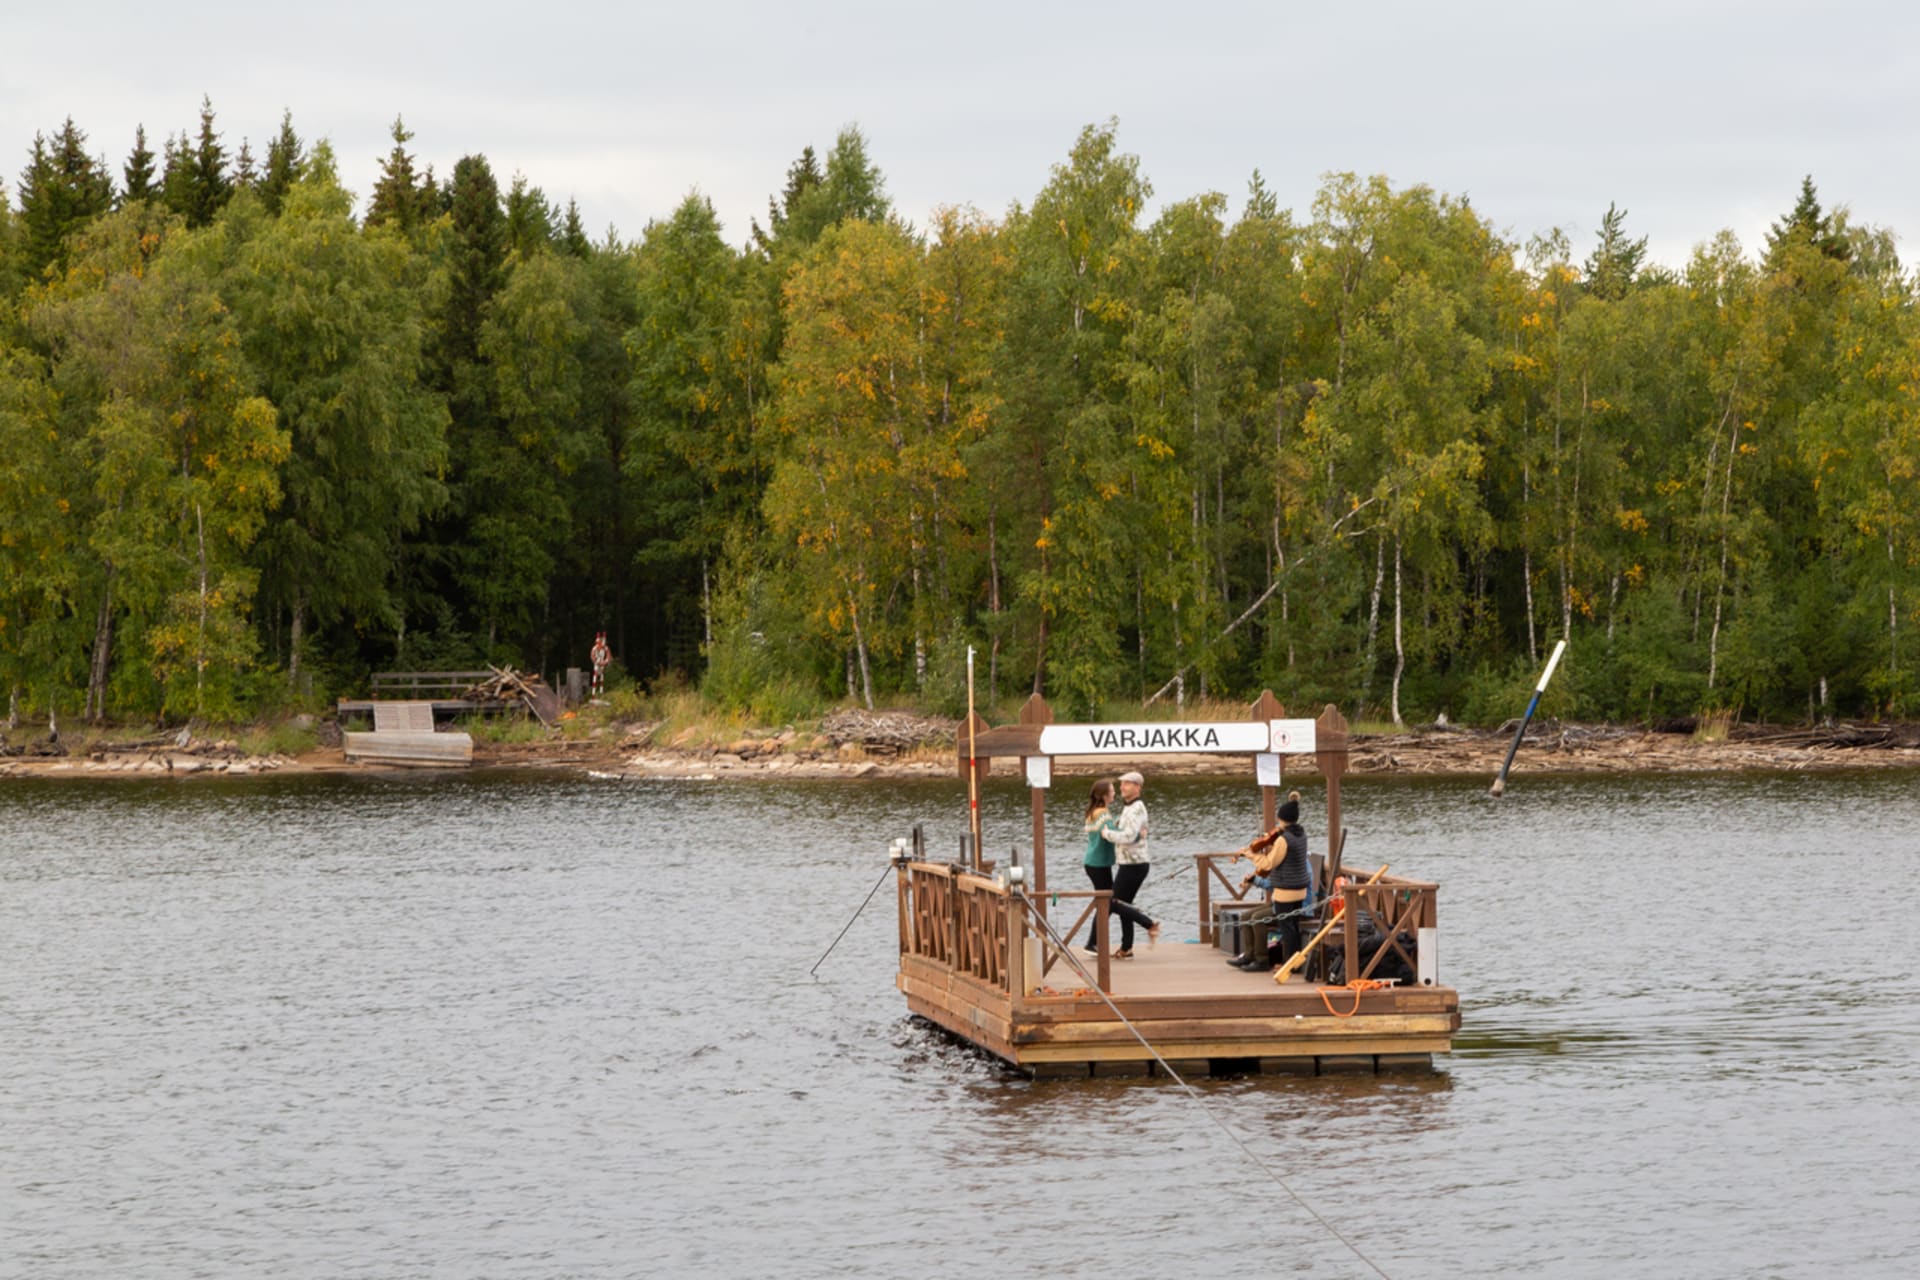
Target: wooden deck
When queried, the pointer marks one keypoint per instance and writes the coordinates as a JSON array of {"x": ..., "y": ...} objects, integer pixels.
[{"x": 969, "y": 972}]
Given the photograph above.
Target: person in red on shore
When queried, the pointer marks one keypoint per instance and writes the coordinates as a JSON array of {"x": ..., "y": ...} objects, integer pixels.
[{"x": 600, "y": 657}]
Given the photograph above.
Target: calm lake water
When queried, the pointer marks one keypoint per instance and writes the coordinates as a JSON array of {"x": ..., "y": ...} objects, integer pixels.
[{"x": 498, "y": 1025}]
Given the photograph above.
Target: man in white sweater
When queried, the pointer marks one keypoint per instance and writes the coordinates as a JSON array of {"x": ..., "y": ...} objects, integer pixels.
[{"x": 1129, "y": 837}]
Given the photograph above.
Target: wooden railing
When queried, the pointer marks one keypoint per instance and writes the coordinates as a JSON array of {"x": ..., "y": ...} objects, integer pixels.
[
  {"x": 973, "y": 925},
  {"x": 1212, "y": 868},
  {"x": 1395, "y": 906},
  {"x": 413, "y": 684}
]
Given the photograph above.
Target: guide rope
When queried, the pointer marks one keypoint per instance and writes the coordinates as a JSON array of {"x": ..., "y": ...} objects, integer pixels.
[
  {"x": 855, "y": 916},
  {"x": 1093, "y": 986}
]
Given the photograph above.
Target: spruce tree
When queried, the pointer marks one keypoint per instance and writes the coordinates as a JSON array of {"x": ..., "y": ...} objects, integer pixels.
[
  {"x": 476, "y": 265},
  {"x": 176, "y": 175},
  {"x": 139, "y": 170},
  {"x": 1615, "y": 261},
  {"x": 61, "y": 188},
  {"x": 1806, "y": 224},
  {"x": 286, "y": 162},
  {"x": 573, "y": 236},
  {"x": 529, "y": 219},
  {"x": 208, "y": 187},
  {"x": 803, "y": 175},
  {"x": 400, "y": 199},
  {"x": 245, "y": 176}
]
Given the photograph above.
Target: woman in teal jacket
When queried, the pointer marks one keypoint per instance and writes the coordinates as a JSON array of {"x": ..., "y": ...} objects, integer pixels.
[{"x": 1098, "y": 862}]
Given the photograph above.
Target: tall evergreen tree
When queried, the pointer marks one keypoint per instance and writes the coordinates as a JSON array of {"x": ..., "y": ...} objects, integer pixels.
[
  {"x": 286, "y": 163},
  {"x": 530, "y": 221},
  {"x": 176, "y": 175},
  {"x": 573, "y": 236},
  {"x": 138, "y": 172},
  {"x": 1806, "y": 223},
  {"x": 803, "y": 175},
  {"x": 475, "y": 265},
  {"x": 400, "y": 198},
  {"x": 1615, "y": 261},
  {"x": 246, "y": 176},
  {"x": 61, "y": 189},
  {"x": 209, "y": 186}
]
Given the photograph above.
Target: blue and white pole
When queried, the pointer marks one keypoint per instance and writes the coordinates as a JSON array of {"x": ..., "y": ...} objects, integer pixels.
[{"x": 1500, "y": 783}]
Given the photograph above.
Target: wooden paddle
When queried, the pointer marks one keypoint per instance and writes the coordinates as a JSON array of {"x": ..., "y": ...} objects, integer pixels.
[{"x": 1299, "y": 957}]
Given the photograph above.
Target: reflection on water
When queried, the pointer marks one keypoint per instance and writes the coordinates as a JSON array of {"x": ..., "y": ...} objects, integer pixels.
[{"x": 509, "y": 1026}]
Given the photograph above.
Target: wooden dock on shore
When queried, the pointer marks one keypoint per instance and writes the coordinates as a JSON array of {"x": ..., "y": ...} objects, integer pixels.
[
  {"x": 984, "y": 954},
  {"x": 403, "y": 734}
]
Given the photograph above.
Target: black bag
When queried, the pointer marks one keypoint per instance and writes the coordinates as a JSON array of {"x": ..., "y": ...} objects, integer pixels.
[{"x": 1372, "y": 941}]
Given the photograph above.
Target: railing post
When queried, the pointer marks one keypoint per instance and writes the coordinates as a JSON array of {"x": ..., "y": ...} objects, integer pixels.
[
  {"x": 1103, "y": 969},
  {"x": 1016, "y": 947},
  {"x": 1350, "y": 932},
  {"x": 1203, "y": 872},
  {"x": 901, "y": 878}
]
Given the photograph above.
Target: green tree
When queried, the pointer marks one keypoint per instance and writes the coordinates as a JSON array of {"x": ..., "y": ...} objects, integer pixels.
[
  {"x": 852, "y": 402},
  {"x": 286, "y": 164},
  {"x": 401, "y": 197},
  {"x": 182, "y": 455},
  {"x": 531, "y": 225},
  {"x": 1615, "y": 262},
  {"x": 1064, "y": 461},
  {"x": 61, "y": 190},
  {"x": 691, "y": 451},
  {"x": 208, "y": 186},
  {"x": 332, "y": 329},
  {"x": 139, "y": 170}
]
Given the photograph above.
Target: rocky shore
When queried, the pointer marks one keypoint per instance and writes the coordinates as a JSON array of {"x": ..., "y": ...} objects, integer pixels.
[{"x": 898, "y": 745}]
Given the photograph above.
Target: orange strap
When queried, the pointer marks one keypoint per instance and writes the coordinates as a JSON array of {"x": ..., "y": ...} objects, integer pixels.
[{"x": 1356, "y": 986}]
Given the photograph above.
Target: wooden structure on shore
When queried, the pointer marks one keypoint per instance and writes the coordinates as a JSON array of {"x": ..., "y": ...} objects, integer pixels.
[
  {"x": 983, "y": 947},
  {"x": 403, "y": 734},
  {"x": 448, "y": 694}
]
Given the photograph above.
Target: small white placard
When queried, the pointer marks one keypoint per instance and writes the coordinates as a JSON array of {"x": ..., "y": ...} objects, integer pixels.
[
  {"x": 1292, "y": 737},
  {"x": 1039, "y": 771},
  {"x": 1266, "y": 768}
]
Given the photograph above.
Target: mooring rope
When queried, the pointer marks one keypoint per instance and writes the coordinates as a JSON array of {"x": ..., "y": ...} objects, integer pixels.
[
  {"x": 850, "y": 919},
  {"x": 1094, "y": 986}
]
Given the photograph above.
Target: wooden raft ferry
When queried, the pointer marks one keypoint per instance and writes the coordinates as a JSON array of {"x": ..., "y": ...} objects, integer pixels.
[{"x": 981, "y": 943}]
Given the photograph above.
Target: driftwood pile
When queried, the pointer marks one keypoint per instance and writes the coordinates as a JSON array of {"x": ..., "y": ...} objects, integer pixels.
[
  {"x": 43, "y": 748},
  {"x": 508, "y": 686},
  {"x": 886, "y": 733}
]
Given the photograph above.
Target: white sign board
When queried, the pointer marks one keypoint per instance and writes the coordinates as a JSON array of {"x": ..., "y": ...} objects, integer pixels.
[
  {"x": 1039, "y": 772},
  {"x": 1292, "y": 737},
  {"x": 1266, "y": 769},
  {"x": 1134, "y": 739}
]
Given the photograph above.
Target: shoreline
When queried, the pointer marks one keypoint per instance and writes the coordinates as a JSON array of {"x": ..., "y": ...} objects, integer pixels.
[{"x": 1433, "y": 752}]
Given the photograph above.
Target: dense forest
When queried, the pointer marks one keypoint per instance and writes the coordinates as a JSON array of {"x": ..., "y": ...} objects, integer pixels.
[{"x": 259, "y": 437}]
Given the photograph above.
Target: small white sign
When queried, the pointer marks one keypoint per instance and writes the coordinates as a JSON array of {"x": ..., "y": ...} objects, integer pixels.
[
  {"x": 1266, "y": 768},
  {"x": 1039, "y": 771},
  {"x": 1292, "y": 737},
  {"x": 1135, "y": 739}
]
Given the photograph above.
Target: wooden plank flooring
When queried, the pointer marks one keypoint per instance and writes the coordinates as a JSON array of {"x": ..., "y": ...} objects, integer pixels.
[{"x": 1190, "y": 1005}]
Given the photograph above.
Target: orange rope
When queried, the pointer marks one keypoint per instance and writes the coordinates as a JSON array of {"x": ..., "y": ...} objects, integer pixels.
[{"x": 1356, "y": 986}]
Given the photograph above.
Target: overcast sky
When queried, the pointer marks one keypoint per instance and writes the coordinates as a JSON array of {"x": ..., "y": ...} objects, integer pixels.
[{"x": 1694, "y": 117}]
